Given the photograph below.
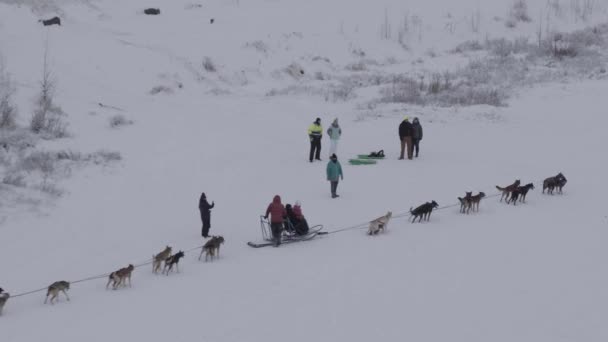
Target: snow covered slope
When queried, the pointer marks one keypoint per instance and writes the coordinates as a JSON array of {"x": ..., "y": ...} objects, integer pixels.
[{"x": 531, "y": 272}]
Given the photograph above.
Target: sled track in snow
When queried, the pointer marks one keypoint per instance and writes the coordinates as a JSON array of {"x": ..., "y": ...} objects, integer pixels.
[{"x": 363, "y": 225}]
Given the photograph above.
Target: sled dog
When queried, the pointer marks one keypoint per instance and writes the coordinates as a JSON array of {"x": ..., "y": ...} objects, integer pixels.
[
  {"x": 120, "y": 277},
  {"x": 212, "y": 248},
  {"x": 465, "y": 202},
  {"x": 55, "y": 288},
  {"x": 474, "y": 202},
  {"x": 173, "y": 261},
  {"x": 159, "y": 258},
  {"x": 3, "y": 299},
  {"x": 555, "y": 182},
  {"x": 507, "y": 190},
  {"x": 520, "y": 193},
  {"x": 423, "y": 212},
  {"x": 379, "y": 224}
]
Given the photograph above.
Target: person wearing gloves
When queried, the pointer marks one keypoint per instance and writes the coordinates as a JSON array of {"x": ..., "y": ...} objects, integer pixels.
[{"x": 315, "y": 133}]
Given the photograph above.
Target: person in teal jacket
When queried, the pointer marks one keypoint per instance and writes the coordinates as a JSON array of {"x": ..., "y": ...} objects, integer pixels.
[{"x": 334, "y": 174}]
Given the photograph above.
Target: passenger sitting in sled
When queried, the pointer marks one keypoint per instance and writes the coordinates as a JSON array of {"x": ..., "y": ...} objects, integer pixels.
[{"x": 296, "y": 219}]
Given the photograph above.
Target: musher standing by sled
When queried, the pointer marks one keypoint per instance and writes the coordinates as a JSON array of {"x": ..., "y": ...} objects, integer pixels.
[{"x": 277, "y": 213}]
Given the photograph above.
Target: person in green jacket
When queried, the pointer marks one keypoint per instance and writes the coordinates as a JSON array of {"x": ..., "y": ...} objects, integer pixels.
[
  {"x": 334, "y": 174},
  {"x": 315, "y": 132}
]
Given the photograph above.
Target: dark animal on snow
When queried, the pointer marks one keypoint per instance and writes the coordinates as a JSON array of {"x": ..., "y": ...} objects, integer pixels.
[
  {"x": 211, "y": 21},
  {"x": 423, "y": 212},
  {"x": 152, "y": 11},
  {"x": 52, "y": 21},
  {"x": 4, "y": 296},
  {"x": 474, "y": 201},
  {"x": 507, "y": 190},
  {"x": 173, "y": 261},
  {"x": 464, "y": 202},
  {"x": 551, "y": 183},
  {"x": 520, "y": 193}
]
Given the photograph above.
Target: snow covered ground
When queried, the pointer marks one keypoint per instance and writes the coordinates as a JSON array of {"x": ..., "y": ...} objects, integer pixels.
[{"x": 532, "y": 272}]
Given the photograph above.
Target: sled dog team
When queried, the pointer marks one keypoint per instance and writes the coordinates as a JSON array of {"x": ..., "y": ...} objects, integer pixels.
[
  {"x": 510, "y": 194},
  {"x": 121, "y": 278}
]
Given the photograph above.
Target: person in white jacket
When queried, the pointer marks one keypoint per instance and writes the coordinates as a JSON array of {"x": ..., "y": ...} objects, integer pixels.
[{"x": 334, "y": 132}]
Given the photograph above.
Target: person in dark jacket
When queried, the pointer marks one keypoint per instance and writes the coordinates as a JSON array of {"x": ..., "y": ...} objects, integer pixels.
[
  {"x": 297, "y": 220},
  {"x": 416, "y": 135},
  {"x": 405, "y": 135},
  {"x": 277, "y": 213},
  {"x": 205, "y": 208},
  {"x": 315, "y": 133}
]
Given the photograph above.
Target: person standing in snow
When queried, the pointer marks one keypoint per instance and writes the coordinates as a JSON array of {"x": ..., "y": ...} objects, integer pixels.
[
  {"x": 205, "y": 208},
  {"x": 315, "y": 132},
  {"x": 416, "y": 135},
  {"x": 405, "y": 135},
  {"x": 277, "y": 213},
  {"x": 334, "y": 174},
  {"x": 334, "y": 132}
]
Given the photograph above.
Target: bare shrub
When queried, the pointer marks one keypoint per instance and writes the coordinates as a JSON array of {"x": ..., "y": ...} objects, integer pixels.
[
  {"x": 386, "y": 29},
  {"x": 105, "y": 157},
  {"x": 519, "y": 11},
  {"x": 469, "y": 45},
  {"x": 69, "y": 155},
  {"x": 42, "y": 161},
  {"x": 161, "y": 89},
  {"x": 503, "y": 47},
  {"x": 357, "y": 66},
  {"x": 8, "y": 111},
  {"x": 402, "y": 90},
  {"x": 343, "y": 92},
  {"x": 14, "y": 179},
  {"x": 119, "y": 120},
  {"x": 17, "y": 140},
  {"x": 295, "y": 70},
  {"x": 50, "y": 189},
  {"x": 208, "y": 64},
  {"x": 47, "y": 120},
  {"x": 258, "y": 45}
]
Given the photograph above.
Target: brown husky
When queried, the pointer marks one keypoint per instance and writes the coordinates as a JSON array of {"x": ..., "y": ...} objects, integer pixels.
[
  {"x": 507, "y": 190},
  {"x": 212, "y": 248},
  {"x": 474, "y": 202},
  {"x": 158, "y": 259},
  {"x": 120, "y": 277},
  {"x": 465, "y": 202}
]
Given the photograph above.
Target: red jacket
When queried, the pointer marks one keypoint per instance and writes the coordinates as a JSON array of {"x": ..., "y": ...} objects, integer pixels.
[{"x": 276, "y": 210}]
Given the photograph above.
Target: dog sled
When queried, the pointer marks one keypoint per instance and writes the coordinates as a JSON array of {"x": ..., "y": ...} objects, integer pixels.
[{"x": 289, "y": 235}]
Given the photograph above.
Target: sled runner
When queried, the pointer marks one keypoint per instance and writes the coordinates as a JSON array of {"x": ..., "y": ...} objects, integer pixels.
[{"x": 288, "y": 235}]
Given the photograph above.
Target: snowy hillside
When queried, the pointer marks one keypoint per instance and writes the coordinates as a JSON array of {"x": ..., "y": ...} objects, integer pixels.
[{"x": 216, "y": 96}]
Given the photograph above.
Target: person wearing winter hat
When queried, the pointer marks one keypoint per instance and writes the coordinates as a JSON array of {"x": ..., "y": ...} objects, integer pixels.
[
  {"x": 315, "y": 132},
  {"x": 416, "y": 135},
  {"x": 277, "y": 214},
  {"x": 205, "y": 208},
  {"x": 334, "y": 174},
  {"x": 334, "y": 132},
  {"x": 405, "y": 135}
]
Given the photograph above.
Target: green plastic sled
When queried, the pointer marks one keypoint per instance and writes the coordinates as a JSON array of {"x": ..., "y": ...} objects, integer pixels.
[{"x": 362, "y": 161}]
